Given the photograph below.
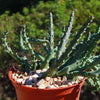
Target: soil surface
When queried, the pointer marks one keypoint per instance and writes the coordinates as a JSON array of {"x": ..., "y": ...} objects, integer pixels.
[{"x": 33, "y": 80}]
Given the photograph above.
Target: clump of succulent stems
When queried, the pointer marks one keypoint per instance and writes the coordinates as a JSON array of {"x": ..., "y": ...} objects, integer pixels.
[{"x": 60, "y": 60}]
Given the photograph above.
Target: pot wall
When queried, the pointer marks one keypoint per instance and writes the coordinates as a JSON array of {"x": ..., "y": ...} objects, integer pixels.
[{"x": 32, "y": 93}]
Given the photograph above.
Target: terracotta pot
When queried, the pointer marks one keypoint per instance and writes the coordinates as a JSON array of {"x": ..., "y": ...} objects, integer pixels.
[{"x": 32, "y": 93}]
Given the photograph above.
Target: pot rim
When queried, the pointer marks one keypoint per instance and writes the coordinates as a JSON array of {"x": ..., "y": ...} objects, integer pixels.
[{"x": 60, "y": 88}]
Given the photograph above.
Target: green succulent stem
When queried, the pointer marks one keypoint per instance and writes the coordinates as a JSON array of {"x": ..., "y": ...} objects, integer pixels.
[
  {"x": 51, "y": 33},
  {"x": 54, "y": 67},
  {"x": 74, "y": 60},
  {"x": 64, "y": 39}
]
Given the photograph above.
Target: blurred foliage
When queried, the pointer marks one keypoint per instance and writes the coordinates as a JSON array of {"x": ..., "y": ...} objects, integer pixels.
[
  {"x": 35, "y": 15},
  {"x": 17, "y": 5}
]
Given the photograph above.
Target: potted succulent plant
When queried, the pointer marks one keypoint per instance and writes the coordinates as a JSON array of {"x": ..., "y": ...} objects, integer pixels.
[{"x": 60, "y": 73}]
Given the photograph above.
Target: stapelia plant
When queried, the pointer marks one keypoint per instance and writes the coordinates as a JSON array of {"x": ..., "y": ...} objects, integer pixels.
[{"x": 73, "y": 60}]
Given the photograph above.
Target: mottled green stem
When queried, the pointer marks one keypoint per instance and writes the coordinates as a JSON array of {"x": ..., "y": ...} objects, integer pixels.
[
  {"x": 51, "y": 71},
  {"x": 50, "y": 54},
  {"x": 64, "y": 39},
  {"x": 22, "y": 43},
  {"x": 51, "y": 33}
]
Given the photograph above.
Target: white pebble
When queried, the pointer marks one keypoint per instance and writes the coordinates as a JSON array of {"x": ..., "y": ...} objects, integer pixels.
[
  {"x": 63, "y": 85},
  {"x": 47, "y": 78},
  {"x": 38, "y": 71},
  {"x": 51, "y": 86},
  {"x": 44, "y": 70},
  {"x": 64, "y": 78},
  {"x": 73, "y": 82},
  {"x": 69, "y": 84},
  {"x": 28, "y": 85},
  {"x": 76, "y": 82},
  {"x": 23, "y": 82},
  {"x": 80, "y": 78},
  {"x": 13, "y": 76},
  {"x": 16, "y": 75},
  {"x": 42, "y": 86},
  {"x": 35, "y": 76},
  {"x": 19, "y": 80},
  {"x": 42, "y": 81}
]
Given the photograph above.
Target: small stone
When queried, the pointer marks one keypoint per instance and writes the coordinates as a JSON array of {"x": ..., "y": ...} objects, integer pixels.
[
  {"x": 73, "y": 82},
  {"x": 35, "y": 76},
  {"x": 19, "y": 80},
  {"x": 63, "y": 85},
  {"x": 42, "y": 81},
  {"x": 51, "y": 86},
  {"x": 44, "y": 70},
  {"x": 13, "y": 76},
  {"x": 64, "y": 80},
  {"x": 76, "y": 82},
  {"x": 28, "y": 85},
  {"x": 16, "y": 75},
  {"x": 80, "y": 78},
  {"x": 55, "y": 79},
  {"x": 23, "y": 82},
  {"x": 69, "y": 84},
  {"x": 59, "y": 78},
  {"x": 58, "y": 83},
  {"x": 48, "y": 78},
  {"x": 25, "y": 74},
  {"x": 51, "y": 81},
  {"x": 47, "y": 84},
  {"x": 42, "y": 86},
  {"x": 38, "y": 71}
]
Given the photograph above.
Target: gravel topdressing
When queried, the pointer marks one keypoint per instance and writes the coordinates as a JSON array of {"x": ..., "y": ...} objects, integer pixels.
[{"x": 32, "y": 80}]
